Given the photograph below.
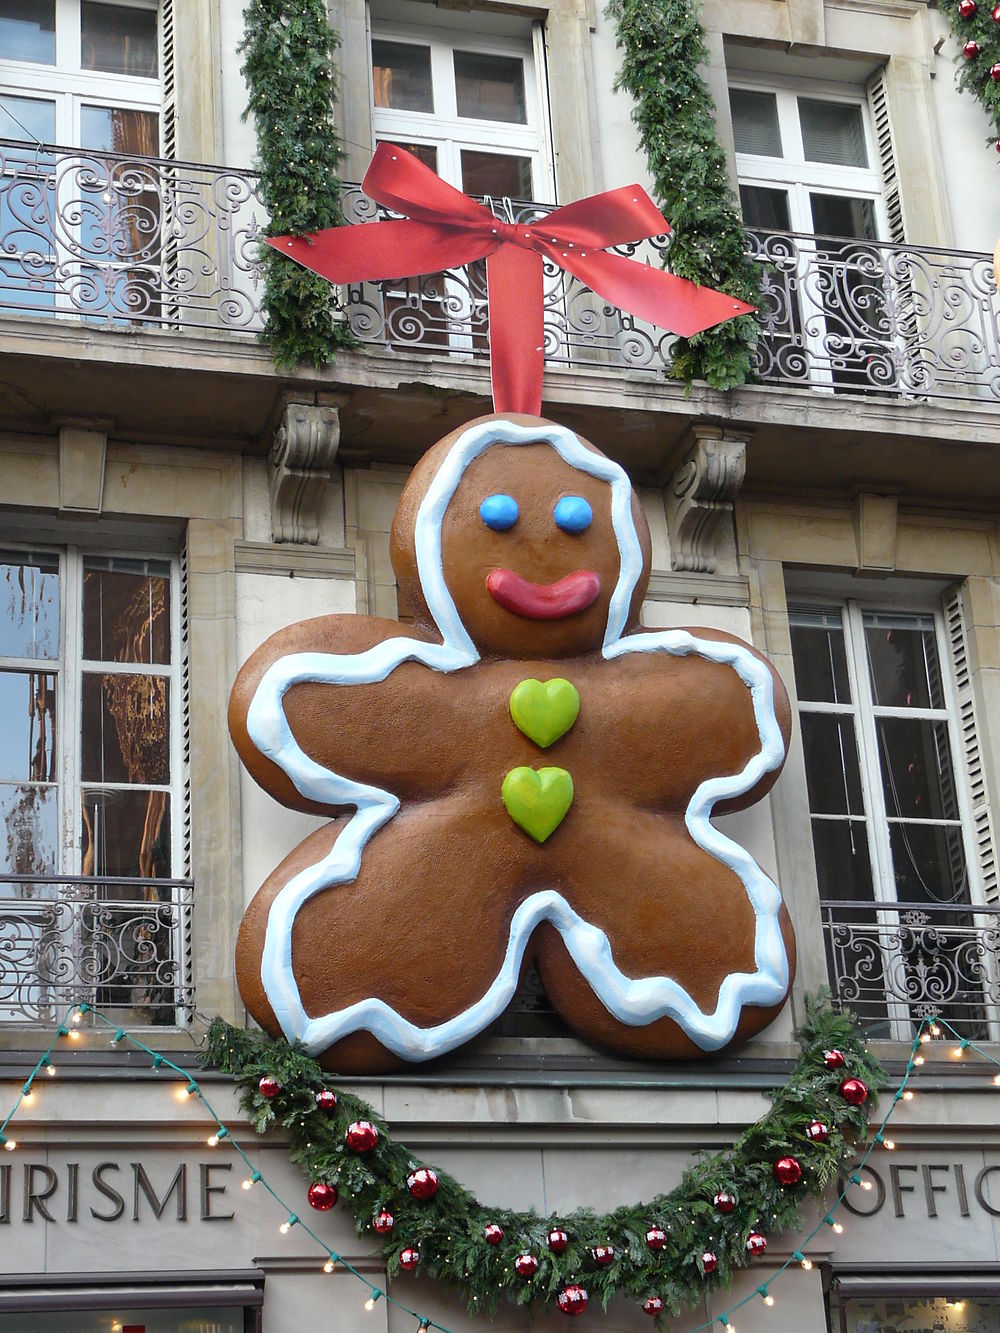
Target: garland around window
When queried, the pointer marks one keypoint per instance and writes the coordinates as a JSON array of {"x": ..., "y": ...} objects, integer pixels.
[{"x": 288, "y": 48}]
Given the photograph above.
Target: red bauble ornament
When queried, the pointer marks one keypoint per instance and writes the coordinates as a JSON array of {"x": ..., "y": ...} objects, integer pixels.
[
  {"x": 573, "y": 1300},
  {"x": 996, "y": 14},
  {"x": 854, "y": 1090},
  {"x": 326, "y": 1100},
  {"x": 709, "y": 1262},
  {"x": 604, "y": 1254},
  {"x": 558, "y": 1240},
  {"x": 834, "y": 1059},
  {"x": 383, "y": 1222},
  {"x": 997, "y": 144},
  {"x": 409, "y": 1258},
  {"x": 361, "y": 1136},
  {"x": 724, "y": 1201},
  {"x": 268, "y": 1087},
  {"x": 652, "y": 1305},
  {"x": 422, "y": 1183},
  {"x": 817, "y": 1132},
  {"x": 493, "y": 1233},
  {"x": 323, "y": 1197},
  {"x": 656, "y": 1238},
  {"x": 970, "y": 50},
  {"x": 995, "y": 73},
  {"x": 526, "y": 1265},
  {"x": 787, "y": 1170},
  {"x": 756, "y": 1243},
  {"x": 966, "y": 8}
]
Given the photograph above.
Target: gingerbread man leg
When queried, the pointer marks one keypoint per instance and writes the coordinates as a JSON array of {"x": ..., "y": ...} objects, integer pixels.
[
  {"x": 670, "y": 909},
  {"x": 440, "y": 964}
]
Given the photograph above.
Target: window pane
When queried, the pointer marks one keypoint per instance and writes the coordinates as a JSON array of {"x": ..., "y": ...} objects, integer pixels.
[
  {"x": 126, "y": 614},
  {"x": 764, "y": 207},
  {"x": 211, "y": 1318},
  {"x": 843, "y": 864},
  {"x": 118, "y": 40},
  {"x": 27, "y": 119},
  {"x": 125, "y": 729},
  {"x": 928, "y": 861},
  {"x": 28, "y": 30},
  {"x": 916, "y": 768},
  {"x": 117, "y": 130},
  {"x": 819, "y": 658},
  {"x": 426, "y": 153},
  {"x": 949, "y": 1314},
  {"x": 28, "y": 733},
  {"x": 755, "y": 122},
  {"x": 496, "y": 174},
  {"x": 832, "y": 132},
  {"x": 903, "y": 658},
  {"x": 126, "y": 833},
  {"x": 831, "y": 756},
  {"x": 29, "y": 601},
  {"x": 840, "y": 215},
  {"x": 402, "y": 76},
  {"x": 29, "y": 827},
  {"x": 490, "y": 87}
]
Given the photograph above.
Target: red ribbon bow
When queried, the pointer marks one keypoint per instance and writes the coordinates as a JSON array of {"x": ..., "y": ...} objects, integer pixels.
[{"x": 445, "y": 229}]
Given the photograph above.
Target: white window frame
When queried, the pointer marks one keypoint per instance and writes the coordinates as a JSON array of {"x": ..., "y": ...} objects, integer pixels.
[
  {"x": 448, "y": 132},
  {"x": 798, "y": 177},
  {"x": 864, "y": 712},
  {"x": 70, "y": 87},
  {"x": 69, "y": 669}
]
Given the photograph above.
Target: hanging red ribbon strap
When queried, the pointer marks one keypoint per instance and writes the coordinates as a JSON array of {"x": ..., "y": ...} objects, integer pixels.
[{"x": 444, "y": 228}]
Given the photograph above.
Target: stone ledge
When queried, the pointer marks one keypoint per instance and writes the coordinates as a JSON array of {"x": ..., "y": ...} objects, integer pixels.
[{"x": 298, "y": 562}]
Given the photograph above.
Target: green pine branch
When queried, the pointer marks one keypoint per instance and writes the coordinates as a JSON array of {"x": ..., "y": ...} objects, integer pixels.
[
  {"x": 448, "y": 1229},
  {"x": 288, "y": 48},
  {"x": 974, "y": 75},
  {"x": 674, "y": 113}
]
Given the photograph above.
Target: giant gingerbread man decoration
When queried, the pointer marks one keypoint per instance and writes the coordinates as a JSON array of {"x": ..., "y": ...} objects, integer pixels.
[{"x": 525, "y": 775}]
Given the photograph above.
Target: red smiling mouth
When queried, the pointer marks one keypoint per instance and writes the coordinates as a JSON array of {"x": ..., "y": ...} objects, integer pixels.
[{"x": 544, "y": 601}]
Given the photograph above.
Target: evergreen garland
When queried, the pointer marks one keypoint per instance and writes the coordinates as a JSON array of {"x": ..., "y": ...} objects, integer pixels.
[
  {"x": 675, "y": 116},
  {"x": 288, "y": 48},
  {"x": 448, "y": 1229},
  {"x": 981, "y": 25}
]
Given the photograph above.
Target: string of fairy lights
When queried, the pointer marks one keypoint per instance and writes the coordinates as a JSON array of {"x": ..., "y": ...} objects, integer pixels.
[{"x": 929, "y": 1030}]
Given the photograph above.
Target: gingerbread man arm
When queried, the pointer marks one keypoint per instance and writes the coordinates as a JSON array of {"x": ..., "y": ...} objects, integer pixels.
[{"x": 351, "y": 695}]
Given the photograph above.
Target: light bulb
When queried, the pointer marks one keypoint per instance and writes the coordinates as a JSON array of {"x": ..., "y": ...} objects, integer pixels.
[
  {"x": 76, "y": 1016},
  {"x": 867, "y": 1185},
  {"x": 889, "y": 1145},
  {"x": 924, "y": 1038},
  {"x": 807, "y": 1265},
  {"x": 330, "y": 1265},
  {"x": 212, "y": 1140},
  {"x": 918, "y": 1059},
  {"x": 996, "y": 1080},
  {"x": 935, "y": 1030},
  {"x": 768, "y": 1299},
  {"x": 908, "y": 1096},
  {"x": 287, "y": 1225},
  {"x": 27, "y": 1095},
  {"x": 251, "y": 1180},
  {"x": 50, "y": 1069},
  {"x": 74, "y": 1034},
  {"x": 10, "y": 1144},
  {"x": 118, "y": 1037},
  {"x": 838, "y": 1228},
  {"x": 958, "y": 1052}
]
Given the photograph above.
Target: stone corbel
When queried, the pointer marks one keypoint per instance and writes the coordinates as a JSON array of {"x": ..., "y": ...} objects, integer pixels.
[
  {"x": 299, "y": 467},
  {"x": 700, "y": 494}
]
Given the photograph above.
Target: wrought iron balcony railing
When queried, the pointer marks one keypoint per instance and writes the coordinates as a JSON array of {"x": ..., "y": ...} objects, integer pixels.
[
  {"x": 123, "y": 945},
  {"x": 896, "y": 963},
  {"x": 132, "y": 242}
]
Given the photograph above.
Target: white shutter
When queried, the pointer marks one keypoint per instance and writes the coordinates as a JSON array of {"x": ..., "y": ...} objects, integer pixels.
[
  {"x": 983, "y": 837},
  {"x": 878, "y": 103},
  {"x": 168, "y": 114}
]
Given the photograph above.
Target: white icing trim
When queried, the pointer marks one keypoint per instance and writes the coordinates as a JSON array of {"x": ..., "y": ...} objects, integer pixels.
[{"x": 632, "y": 1001}]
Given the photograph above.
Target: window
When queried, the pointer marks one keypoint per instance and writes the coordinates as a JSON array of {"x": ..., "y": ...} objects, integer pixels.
[
  {"x": 894, "y": 1309},
  {"x": 79, "y": 233},
  {"x": 470, "y": 107},
  {"x": 92, "y": 907},
  {"x": 808, "y": 165},
  {"x": 889, "y": 816}
]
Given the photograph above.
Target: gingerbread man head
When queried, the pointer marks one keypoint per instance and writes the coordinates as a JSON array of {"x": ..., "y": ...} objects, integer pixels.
[
  {"x": 524, "y": 534},
  {"x": 525, "y": 777}
]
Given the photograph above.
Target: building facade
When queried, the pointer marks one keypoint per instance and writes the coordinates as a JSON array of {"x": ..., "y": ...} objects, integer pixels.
[{"x": 169, "y": 499}]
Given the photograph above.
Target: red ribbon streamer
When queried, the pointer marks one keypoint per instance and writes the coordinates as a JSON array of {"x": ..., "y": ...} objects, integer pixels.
[{"x": 444, "y": 229}]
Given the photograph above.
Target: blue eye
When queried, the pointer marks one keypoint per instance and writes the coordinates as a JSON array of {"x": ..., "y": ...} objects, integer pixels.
[
  {"x": 573, "y": 514},
  {"x": 499, "y": 512}
]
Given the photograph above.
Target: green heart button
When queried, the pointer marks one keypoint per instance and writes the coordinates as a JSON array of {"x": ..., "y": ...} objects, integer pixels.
[
  {"x": 537, "y": 801},
  {"x": 544, "y": 711}
]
